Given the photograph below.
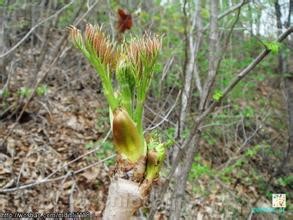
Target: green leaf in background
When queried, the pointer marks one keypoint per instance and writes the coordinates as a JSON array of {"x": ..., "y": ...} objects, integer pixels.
[
  {"x": 217, "y": 95},
  {"x": 205, "y": 13},
  {"x": 24, "y": 92},
  {"x": 42, "y": 90},
  {"x": 199, "y": 168},
  {"x": 248, "y": 112},
  {"x": 286, "y": 181},
  {"x": 4, "y": 93},
  {"x": 273, "y": 46}
]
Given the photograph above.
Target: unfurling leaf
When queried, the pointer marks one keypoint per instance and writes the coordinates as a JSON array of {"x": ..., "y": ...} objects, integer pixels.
[{"x": 155, "y": 157}]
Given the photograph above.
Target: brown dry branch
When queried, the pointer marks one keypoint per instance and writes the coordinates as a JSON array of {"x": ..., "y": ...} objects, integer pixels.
[
  {"x": 192, "y": 45},
  {"x": 229, "y": 11},
  {"x": 49, "y": 177}
]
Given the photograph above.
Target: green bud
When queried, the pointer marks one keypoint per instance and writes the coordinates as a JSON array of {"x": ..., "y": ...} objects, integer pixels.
[
  {"x": 127, "y": 139},
  {"x": 155, "y": 158}
]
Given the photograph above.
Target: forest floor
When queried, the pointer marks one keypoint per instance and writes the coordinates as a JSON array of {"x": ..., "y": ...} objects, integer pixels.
[
  {"x": 66, "y": 122},
  {"x": 53, "y": 130}
]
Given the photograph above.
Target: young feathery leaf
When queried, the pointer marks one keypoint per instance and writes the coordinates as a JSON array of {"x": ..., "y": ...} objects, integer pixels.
[
  {"x": 143, "y": 52},
  {"x": 75, "y": 37},
  {"x": 100, "y": 44},
  {"x": 101, "y": 53}
]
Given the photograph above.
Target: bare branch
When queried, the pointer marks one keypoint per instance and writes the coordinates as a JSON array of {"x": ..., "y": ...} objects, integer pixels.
[
  {"x": 242, "y": 74},
  {"x": 229, "y": 11},
  {"x": 55, "y": 54},
  {"x": 214, "y": 52},
  {"x": 86, "y": 13},
  {"x": 166, "y": 115},
  {"x": 248, "y": 139},
  {"x": 191, "y": 48},
  {"x": 33, "y": 28},
  {"x": 232, "y": 9},
  {"x": 165, "y": 72}
]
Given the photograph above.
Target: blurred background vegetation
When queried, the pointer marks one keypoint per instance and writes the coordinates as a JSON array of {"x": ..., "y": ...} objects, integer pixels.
[{"x": 242, "y": 157}]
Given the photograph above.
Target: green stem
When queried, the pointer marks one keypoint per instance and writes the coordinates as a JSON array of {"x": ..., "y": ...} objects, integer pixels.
[
  {"x": 127, "y": 105},
  {"x": 106, "y": 82},
  {"x": 107, "y": 85},
  {"x": 126, "y": 99},
  {"x": 109, "y": 93},
  {"x": 138, "y": 116}
]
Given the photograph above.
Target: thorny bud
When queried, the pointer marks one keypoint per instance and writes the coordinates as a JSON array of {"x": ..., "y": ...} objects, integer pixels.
[{"x": 134, "y": 66}]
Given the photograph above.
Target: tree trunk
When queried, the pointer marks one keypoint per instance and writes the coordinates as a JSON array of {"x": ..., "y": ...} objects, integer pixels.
[
  {"x": 289, "y": 87},
  {"x": 187, "y": 73},
  {"x": 213, "y": 55},
  {"x": 181, "y": 179},
  {"x": 288, "y": 82},
  {"x": 185, "y": 166},
  {"x": 123, "y": 200},
  {"x": 3, "y": 42},
  {"x": 190, "y": 67}
]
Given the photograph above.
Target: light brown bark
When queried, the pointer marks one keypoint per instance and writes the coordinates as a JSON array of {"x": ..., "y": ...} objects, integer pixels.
[
  {"x": 213, "y": 54},
  {"x": 123, "y": 200},
  {"x": 288, "y": 84}
]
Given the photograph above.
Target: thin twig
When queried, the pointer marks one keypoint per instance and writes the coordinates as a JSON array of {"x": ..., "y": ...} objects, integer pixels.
[
  {"x": 232, "y": 9},
  {"x": 166, "y": 115},
  {"x": 229, "y": 11},
  {"x": 86, "y": 13},
  {"x": 80, "y": 157},
  {"x": 243, "y": 146},
  {"x": 71, "y": 200}
]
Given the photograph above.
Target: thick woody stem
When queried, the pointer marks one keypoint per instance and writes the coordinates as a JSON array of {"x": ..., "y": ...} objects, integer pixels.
[{"x": 123, "y": 200}]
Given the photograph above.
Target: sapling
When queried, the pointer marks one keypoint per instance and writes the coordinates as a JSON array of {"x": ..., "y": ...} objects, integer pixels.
[{"x": 138, "y": 161}]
